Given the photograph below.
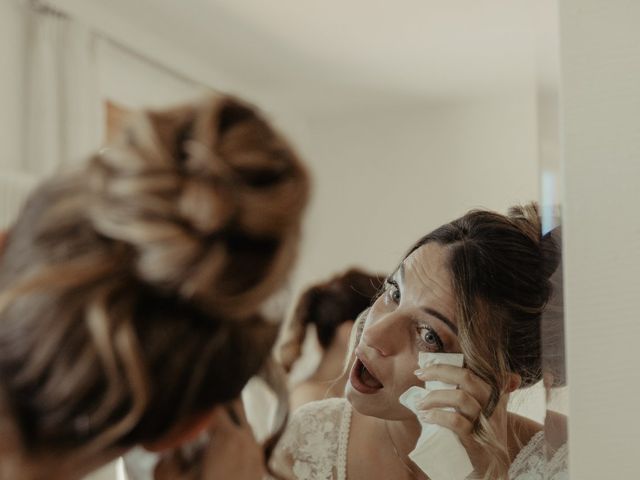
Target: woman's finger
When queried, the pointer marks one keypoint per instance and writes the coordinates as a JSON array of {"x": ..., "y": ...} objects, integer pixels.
[
  {"x": 463, "y": 377},
  {"x": 460, "y": 400},
  {"x": 454, "y": 421}
]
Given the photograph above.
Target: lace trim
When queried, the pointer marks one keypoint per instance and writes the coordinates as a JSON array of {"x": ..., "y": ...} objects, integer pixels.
[
  {"x": 558, "y": 464},
  {"x": 343, "y": 441},
  {"x": 532, "y": 464},
  {"x": 523, "y": 458}
]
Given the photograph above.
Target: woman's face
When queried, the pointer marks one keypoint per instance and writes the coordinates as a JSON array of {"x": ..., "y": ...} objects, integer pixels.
[{"x": 414, "y": 314}]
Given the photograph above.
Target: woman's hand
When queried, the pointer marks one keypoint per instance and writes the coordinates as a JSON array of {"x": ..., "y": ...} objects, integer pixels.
[
  {"x": 231, "y": 452},
  {"x": 468, "y": 400}
]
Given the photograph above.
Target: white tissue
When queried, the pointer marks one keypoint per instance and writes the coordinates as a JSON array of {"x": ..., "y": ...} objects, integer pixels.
[{"x": 439, "y": 452}]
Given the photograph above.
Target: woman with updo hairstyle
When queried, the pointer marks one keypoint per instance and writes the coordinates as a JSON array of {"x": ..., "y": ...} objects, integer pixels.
[
  {"x": 331, "y": 308},
  {"x": 132, "y": 289},
  {"x": 476, "y": 286}
]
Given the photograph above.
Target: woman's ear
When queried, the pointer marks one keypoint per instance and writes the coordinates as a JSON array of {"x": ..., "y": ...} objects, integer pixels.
[
  {"x": 514, "y": 382},
  {"x": 185, "y": 432}
]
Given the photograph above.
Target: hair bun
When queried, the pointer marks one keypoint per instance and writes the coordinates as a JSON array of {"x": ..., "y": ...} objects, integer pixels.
[
  {"x": 551, "y": 248},
  {"x": 529, "y": 221},
  {"x": 208, "y": 197}
]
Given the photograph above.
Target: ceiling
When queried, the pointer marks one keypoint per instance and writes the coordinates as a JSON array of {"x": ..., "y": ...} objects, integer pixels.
[{"x": 336, "y": 52}]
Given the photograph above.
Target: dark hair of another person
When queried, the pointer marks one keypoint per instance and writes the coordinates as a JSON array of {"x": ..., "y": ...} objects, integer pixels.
[{"x": 329, "y": 304}]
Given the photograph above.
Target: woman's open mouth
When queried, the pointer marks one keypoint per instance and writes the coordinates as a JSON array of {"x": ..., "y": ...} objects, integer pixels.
[{"x": 363, "y": 380}]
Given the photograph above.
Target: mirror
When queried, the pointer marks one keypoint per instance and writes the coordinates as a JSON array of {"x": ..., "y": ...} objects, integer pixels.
[{"x": 407, "y": 113}]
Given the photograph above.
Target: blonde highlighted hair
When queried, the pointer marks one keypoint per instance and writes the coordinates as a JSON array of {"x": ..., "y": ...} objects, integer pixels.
[{"x": 131, "y": 288}]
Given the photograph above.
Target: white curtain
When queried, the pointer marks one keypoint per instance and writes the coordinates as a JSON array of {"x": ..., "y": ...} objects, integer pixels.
[{"x": 62, "y": 116}]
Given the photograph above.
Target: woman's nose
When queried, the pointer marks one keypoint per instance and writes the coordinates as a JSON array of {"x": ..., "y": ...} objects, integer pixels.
[{"x": 383, "y": 335}]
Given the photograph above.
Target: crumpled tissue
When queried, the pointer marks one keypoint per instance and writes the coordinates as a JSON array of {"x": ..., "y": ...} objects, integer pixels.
[{"x": 439, "y": 452}]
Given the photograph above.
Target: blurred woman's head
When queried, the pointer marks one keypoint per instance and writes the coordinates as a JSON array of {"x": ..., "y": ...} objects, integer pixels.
[
  {"x": 477, "y": 286},
  {"x": 132, "y": 288},
  {"x": 331, "y": 307}
]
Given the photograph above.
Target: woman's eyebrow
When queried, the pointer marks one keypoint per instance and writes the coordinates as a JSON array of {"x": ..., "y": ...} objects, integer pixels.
[{"x": 442, "y": 318}]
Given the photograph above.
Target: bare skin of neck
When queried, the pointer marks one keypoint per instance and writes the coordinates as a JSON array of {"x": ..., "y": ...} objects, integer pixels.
[{"x": 327, "y": 381}]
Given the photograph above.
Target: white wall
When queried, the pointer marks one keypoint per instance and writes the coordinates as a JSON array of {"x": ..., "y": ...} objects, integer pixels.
[
  {"x": 600, "y": 58},
  {"x": 13, "y": 184},
  {"x": 131, "y": 81},
  {"x": 384, "y": 178},
  {"x": 12, "y": 51}
]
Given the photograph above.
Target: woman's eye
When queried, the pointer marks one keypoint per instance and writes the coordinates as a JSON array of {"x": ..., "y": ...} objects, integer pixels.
[
  {"x": 393, "y": 293},
  {"x": 430, "y": 339}
]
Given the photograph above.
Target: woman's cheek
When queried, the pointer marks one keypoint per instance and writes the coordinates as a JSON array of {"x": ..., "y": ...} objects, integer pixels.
[{"x": 406, "y": 376}]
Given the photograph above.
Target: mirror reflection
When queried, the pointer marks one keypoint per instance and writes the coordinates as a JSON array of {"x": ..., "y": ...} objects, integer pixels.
[{"x": 286, "y": 241}]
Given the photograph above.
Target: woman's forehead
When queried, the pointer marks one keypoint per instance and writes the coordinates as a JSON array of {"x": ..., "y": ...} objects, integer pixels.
[
  {"x": 425, "y": 275},
  {"x": 429, "y": 263}
]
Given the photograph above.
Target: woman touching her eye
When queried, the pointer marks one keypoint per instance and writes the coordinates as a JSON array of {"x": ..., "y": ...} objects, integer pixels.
[{"x": 475, "y": 286}]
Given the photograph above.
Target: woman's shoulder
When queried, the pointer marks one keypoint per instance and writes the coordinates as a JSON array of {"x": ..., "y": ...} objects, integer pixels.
[{"x": 313, "y": 443}]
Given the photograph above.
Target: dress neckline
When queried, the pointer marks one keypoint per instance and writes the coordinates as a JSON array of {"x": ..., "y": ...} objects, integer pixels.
[{"x": 343, "y": 440}]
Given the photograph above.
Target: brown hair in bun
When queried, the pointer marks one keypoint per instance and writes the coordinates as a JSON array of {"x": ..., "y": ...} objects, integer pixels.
[
  {"x": 131, "y": 288},
  {"x": 327, "y": 305}
]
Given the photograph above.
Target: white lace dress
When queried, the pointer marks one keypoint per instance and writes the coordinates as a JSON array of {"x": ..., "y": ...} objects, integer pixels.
[
  {"x": 314, "y": 447},
  {"x": 532, "y": 464}
]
